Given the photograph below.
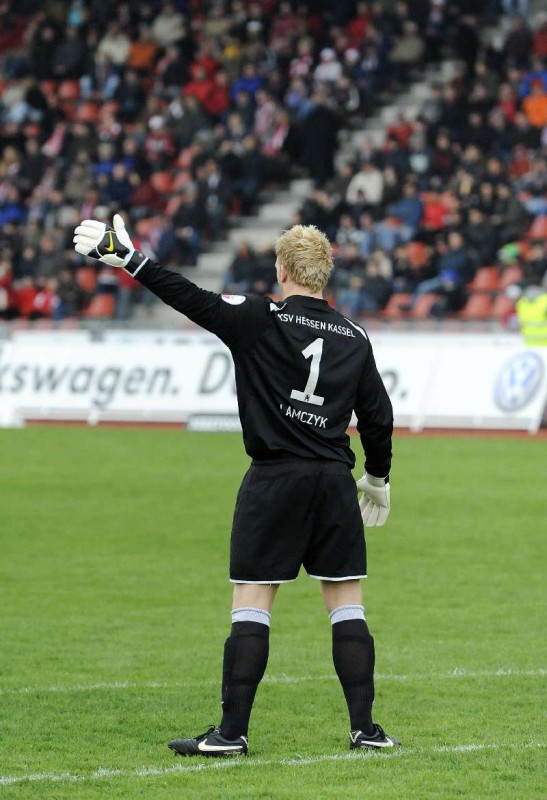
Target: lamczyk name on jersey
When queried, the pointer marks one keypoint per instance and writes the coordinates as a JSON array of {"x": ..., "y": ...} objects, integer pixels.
[
  {"x": 317, "y": 324},
  {"x": 305, "y": 416}
]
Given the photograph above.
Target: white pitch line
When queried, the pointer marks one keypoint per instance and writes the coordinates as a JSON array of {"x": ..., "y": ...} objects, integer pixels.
[
  {"x": 458, "y": 672},
  {"x": 209, "y": 766}
]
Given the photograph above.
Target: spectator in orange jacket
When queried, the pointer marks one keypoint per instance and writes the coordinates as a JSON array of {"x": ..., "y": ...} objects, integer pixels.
[
  {"x": 143, "y": 52},
  {"x": 535, "y": 106}
]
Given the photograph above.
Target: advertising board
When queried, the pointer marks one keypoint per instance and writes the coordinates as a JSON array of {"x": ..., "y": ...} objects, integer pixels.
[{"x": 452, "y": 381}]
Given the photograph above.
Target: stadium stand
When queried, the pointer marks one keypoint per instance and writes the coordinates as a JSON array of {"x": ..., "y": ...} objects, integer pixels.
[
  {"x": 424, "y": 304},
  {"x": 189, "y": 114},
  {"x": 487, "y": 279}
]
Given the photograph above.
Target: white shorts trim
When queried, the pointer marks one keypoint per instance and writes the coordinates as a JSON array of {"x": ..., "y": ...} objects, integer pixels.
[
  {"x": 263, "y": 583},
  {"x": 348, "y": 578}
]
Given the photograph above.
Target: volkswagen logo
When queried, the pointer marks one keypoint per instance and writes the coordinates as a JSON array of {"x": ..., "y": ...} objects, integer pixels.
[{"x": 518, "y": 381}]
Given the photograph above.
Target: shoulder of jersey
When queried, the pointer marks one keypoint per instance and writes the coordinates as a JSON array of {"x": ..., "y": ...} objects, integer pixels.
[
  {"x": 357, "y": 327},
  {"x": 233, "y": 299},
  {"x": 277, "y": 306}
]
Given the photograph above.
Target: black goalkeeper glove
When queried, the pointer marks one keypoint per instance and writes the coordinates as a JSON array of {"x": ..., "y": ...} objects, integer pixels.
[{"x": 110, "y": 245}]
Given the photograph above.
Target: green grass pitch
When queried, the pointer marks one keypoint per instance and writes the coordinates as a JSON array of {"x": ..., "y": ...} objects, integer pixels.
[{"x": 115, "y": 606}]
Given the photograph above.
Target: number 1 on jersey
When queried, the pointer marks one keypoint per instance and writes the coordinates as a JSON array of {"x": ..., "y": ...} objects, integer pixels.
[{"x": 313, "y": 351}]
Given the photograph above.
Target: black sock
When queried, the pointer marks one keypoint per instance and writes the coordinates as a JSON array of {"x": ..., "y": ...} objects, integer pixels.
[
  {"x": 245, "y": 659},
  {"x": 353, "y": 656}
]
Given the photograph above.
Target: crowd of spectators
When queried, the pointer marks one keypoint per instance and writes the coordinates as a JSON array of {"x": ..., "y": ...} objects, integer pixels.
[
  {"x": 180, "y": 113},
  {"x": 460, "y": 187}
]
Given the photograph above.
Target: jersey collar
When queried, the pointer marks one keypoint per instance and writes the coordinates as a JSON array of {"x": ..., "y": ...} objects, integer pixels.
[{"x": 305, "y": 300}]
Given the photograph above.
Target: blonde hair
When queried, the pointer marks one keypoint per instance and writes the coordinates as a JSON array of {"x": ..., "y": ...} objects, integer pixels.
[{"x": 306, "y": 254}]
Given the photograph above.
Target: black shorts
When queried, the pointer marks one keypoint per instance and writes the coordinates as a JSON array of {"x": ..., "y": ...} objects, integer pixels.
[{"x": 295, "y": 512}]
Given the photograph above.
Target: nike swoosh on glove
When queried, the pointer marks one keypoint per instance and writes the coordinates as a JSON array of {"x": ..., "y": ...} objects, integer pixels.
[
  {"x": 110, "y": 245},
  {"x": 374, "y": 500}
]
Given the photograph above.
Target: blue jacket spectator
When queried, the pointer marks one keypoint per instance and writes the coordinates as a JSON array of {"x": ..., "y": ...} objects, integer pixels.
[
  {"x": 249, "y": 82},
  {"x": 409, "y": 209}
]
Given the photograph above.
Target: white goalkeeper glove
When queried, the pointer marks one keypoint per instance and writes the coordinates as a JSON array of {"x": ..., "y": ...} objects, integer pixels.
[
  {"x": 110, "y": 245},
  {"x": 374, "y": 500}
]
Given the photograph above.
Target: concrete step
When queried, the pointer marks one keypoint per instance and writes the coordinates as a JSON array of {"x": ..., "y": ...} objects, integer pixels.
[
  {"x": 278, "y": 215},
  {"x": 421, "y": 90},
  {"x": 439, "y": 73},
  {"x": 409, "y": 110},
  {"x": 374, "y": 134},
  {"x": 301, "y": 186},
  {"x": 292, "y": 195},
  {"x": 217, "y": 248},
  {"x": 212, "y": 263},
  {"x": 257, "y": 235}
]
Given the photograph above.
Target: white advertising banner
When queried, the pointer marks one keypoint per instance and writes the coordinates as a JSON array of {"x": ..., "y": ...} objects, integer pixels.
[
  {"x": 130, "y": 382},
  {"x": 452, "y": 381},
  {"x": 487, "y": 386},
  {"x": 407, "y": 369},
  {"x": 460, "y": 380},
  {"x": 9, "y": 416}
]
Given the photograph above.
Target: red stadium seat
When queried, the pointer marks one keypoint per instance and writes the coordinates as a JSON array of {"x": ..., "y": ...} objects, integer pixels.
[
  {"x": 69, "y": 90},
  {"x": 538, "y": 228},
  {"x": 102, "y": 306},
  {"x": 487, "y": 279},
  {"x": 181, "y": 180},
  {"x": 162, "y": 182},
  {"x": 25, "y": 299},
  {"x": 417, "y": 253},
  {"x": 48, "y": 86},
  {"x": 393, "y": 308},
  {"x": 478, "y": 306},
  {"x": 86, "y": 112},
  {"x": 422, "y": 306},
  {"x": 510, "y": 275},
  {"x": 173, "y": 205},
  {"x": 111, "y": 107},
  {"x": 87, "y": 279},
  {"x": 502, "y": 307},
  {"x": 69, "y": 110}
]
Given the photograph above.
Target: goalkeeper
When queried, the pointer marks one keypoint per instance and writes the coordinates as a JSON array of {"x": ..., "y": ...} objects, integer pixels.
[{"x": 301, "y": 370}]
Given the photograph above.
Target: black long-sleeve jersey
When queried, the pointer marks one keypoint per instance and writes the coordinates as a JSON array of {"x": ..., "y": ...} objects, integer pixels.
[{"x": 301, "y": 369}]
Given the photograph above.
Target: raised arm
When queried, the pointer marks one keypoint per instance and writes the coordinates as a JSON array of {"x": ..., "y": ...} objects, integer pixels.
[{"x": 235, "y": 320}]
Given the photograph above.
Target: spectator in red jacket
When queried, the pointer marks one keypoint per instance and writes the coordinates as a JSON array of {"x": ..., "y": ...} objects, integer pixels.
[
  {"x": 200, "y": 86},
  {"x": 539, "y": 47},
  {"x": 217, "y": 102},
  {"x": 358, "y": 27},
  {"x": 286, "y": 24},
  {"x": 159, "y": 146},
  {"x": 44, "y": 300}
]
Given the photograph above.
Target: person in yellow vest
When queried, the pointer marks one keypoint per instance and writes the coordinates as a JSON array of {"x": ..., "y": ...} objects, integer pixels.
[{"x": 532, "y": 314}]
